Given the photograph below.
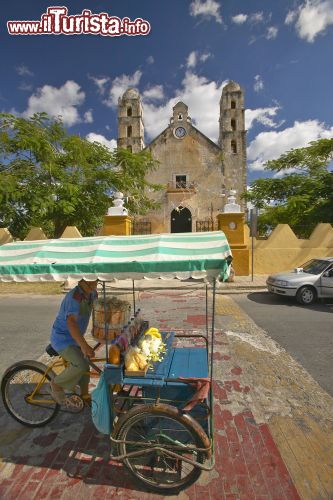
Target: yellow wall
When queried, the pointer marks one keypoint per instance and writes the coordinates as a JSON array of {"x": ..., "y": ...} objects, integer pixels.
[{"x": 283, "y": 250}]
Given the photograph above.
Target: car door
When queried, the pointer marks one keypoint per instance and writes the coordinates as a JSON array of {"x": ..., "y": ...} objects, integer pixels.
[{"x": 326, "y": 283}]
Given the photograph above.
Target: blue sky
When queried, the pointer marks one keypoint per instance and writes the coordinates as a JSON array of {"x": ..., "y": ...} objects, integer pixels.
[{"x": 279, "y": 51}]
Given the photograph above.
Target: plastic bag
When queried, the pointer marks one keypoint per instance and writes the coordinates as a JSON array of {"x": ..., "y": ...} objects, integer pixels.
[{"x": 101, "y": 406}]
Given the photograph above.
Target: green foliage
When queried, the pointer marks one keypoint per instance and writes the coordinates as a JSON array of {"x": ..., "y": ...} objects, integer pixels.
[
  {"x": 51, "y": 179},
  {"x": 303, "y": 196}
]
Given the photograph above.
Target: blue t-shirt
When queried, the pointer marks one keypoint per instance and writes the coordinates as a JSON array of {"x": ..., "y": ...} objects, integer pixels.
[{"x": 75, "y": 303}]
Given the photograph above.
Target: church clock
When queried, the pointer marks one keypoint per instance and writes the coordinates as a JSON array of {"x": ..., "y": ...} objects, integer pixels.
[{"x": 180, "y": 132}]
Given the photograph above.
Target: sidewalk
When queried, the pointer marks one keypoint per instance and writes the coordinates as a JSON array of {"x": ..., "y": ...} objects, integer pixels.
[
  {"x": 243, "y": 284},
  {"x": 273, "y": 424}
]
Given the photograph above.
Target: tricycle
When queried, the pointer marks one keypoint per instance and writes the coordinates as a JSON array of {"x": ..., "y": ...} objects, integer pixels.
[{"x": 162, "y": 419}]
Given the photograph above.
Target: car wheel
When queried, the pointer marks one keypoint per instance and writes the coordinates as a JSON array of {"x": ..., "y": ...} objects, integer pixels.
[{"x": 306, "y": 295}]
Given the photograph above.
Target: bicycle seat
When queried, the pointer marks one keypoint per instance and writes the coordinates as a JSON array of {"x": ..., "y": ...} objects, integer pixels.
[{"x": 50, "y": 351}]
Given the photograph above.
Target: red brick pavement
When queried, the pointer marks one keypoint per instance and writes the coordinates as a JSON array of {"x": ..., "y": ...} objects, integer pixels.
[{"x": 46, "y": 464}]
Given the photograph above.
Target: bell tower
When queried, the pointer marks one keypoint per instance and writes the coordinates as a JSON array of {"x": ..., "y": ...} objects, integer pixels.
[
  {"x": 130, "y": 121},
  {"x": 232, "y": 139}
]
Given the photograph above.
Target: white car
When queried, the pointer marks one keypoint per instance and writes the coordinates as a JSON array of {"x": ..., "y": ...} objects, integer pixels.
[{"x": 314, "y": 280}]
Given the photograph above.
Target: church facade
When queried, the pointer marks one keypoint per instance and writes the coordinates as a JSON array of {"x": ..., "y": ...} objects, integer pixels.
[{"x": 197, "y": 173}]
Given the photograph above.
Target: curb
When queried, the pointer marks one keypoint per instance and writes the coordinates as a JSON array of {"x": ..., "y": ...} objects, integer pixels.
[{"x": 230, "y": 291}]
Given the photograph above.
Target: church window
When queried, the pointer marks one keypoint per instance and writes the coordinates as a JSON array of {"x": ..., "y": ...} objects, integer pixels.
[
  {"x": 129, "y": 131},
  {"x": 233, "y": 147},
  {"x": 233, "y": 104},
  {"x": 181, "y": 181},
  {"x": 129, "y": 148},
  {"x": 233, "y": 124},
  {"x": 129, "y": 111},
  {"x": 180, "y": 116}
]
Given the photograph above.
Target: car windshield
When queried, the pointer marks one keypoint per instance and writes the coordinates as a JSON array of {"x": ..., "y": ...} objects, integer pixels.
[{"x": 315, "y": 266}]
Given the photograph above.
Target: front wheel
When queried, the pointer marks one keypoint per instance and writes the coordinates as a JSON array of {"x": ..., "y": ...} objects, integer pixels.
[
  {"x": 163, "y": 426},
  {"x": 306, "y": 295},
  {"x": 24, "y": 390}
]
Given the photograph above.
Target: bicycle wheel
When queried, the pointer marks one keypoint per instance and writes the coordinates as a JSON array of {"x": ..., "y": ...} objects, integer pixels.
[
  {"x": 162, "y": 425},
  {"x": 24, "y": 390}
]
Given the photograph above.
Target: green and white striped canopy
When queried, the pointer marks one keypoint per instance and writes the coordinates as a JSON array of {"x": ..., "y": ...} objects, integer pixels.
[{"x": 182, "y": 255}]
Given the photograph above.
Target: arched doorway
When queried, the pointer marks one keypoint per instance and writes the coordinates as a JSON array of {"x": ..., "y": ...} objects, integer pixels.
[{"x": 181, "y": 220}]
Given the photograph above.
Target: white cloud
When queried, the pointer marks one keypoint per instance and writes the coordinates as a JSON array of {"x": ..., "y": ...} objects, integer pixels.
[
  {"x": 256, "y": 17},
  {"x": 206, "y": 55},
  {"x": 263, "y": 116},
  {"x": 119, "y": 85},
  {"x": 100, "y": 83},
  {"x": 27, "y": 87},
  {"x": 192, "y": 59},
  {"x": 88, "y": 116},
  {"x": 291, "y": 16},
  {"x": 23, "y": 70},
  {"x": 195, "y": 56},
  {"x": 270, "y": 145},
  {"x": 62, "y": 101},
  {"x": 272, "y": 32},
  {"x": 258, "y": 83},
  {"x": 109, "y": 143},
  {"x": 239, "y": 19},
  {"x": 206, "y": 9},
  {"x": 311, "y": 18},
  {"x": 154, "y": 93},
  {"x": 202, "y": 98},
  {"x": 150, "y": 60}
]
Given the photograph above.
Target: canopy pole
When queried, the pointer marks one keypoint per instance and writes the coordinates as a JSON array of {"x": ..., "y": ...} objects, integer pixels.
[
  {"x": 213, "y": 334},
  {"x": 211, "y": 393},
  {"x": 207, "y": 311},
  {"x": 105, "y": 325},
  {"x": 133, "y": 292}
]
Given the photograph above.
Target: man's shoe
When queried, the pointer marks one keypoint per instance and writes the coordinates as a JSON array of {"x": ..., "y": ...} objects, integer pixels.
[{"x": 74, "y": 403}]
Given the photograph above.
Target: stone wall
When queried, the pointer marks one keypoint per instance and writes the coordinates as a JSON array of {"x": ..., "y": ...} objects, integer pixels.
[{"x": 197, "y": 158}]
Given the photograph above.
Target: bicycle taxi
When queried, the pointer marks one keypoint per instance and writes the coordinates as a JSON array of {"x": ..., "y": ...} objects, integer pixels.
[{"x": 160, "y": 417}]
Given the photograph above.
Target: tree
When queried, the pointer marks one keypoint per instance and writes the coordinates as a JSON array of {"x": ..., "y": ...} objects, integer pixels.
[
  {"x": 303, "y": 196},
  {"x": 52, "y": 179}
]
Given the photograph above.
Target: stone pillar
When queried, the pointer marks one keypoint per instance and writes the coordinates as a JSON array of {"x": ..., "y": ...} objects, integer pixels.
[
  {"x": 71, "y": 232},
  {"x": 117, "y": 225},
  {"x": 117, "y": 222},
  {"x": 232, "y": 223},
  {"x": 5, "y": 236},
  {"x": 35, "y": 233}
]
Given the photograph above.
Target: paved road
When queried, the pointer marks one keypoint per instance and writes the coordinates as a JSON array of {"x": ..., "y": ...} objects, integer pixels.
[
  {"x": 25, "y": 325},
  {"x": 305, "y": 332}
]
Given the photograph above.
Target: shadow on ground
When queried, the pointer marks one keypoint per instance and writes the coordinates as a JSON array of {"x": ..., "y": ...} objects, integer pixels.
[
  {"x": 325, "y": 305},
  {"x": 70, "y": 444}
]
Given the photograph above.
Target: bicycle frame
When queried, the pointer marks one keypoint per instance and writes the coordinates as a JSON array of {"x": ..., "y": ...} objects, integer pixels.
[{"x": 58, "y": 363}]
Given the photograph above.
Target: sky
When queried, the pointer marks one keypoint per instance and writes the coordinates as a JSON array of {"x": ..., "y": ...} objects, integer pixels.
[{"x": 280, "y": 52}]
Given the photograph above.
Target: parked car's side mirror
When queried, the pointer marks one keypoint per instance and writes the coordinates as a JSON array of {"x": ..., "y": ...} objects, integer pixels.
[{"x": 328, "y": 274}]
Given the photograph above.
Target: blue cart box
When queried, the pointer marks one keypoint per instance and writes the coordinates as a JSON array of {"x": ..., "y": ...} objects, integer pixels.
[{"x": 114, "y": 373}]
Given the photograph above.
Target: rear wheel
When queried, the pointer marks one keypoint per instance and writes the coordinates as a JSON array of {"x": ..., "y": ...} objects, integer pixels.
[
  {"x": 24, "y": 390},
  {"x": 306, "y": 295},
  {"x": 163, "y": 426}
]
